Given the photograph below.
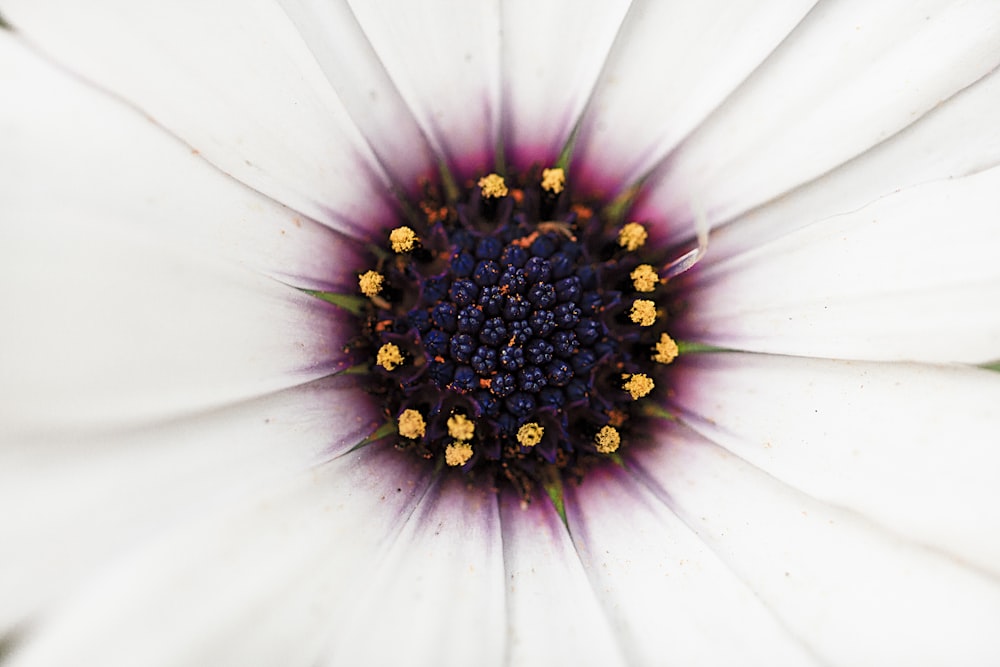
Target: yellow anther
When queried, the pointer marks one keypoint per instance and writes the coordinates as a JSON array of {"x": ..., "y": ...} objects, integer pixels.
[
  {"x": 553, "y": 180},
  {"x": 403, "y": 239},
  {"x": 638, "y": 385},
  {"x": 530, "y": 434},
  {"x": 389, "y": 357},
  {"x": 492, "y": 185},
  {"x": 644, "y": 278},
  {"x": 643, "y": 312},
  {"x": 666, "y": 350},
  {"x": 412, "y": 424},
  {"x": 607, "y": 440},
  {"x": 457, "y": 453},
  {"x": 460, "y": 427},
  {"x": 632, "y": 236},
  {"x": 370, "y": 283}
]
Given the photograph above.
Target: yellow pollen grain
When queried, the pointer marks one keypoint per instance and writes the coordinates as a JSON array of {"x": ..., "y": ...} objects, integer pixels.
[
  {"x": 403, "y": 239},
  {"x": 457, "y": 453},
  {"x": 632, "y": 236},
  {"x": 460, "y": 427},
  {"x": 553, "y": 180},
  {"x": 370, "y": 283},
  {"x": 638, "y": 385},
  {"x": 666, "y": 350},
  {"x": 492, "y": 185},
  {"x": 644, "y": 278},
  {"x": 412, "y": 424},
  {"x": 643, "y": 312},
  {"x": 389, "y": 357},
  {"x": 607, "y": 440},
  {"x": 530, "y": 434}
]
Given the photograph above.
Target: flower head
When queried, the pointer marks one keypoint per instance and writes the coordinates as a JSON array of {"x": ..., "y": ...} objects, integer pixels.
[{"x": 193, "y": 473}]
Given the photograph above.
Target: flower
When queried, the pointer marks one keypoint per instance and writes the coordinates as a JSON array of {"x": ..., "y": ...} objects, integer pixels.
[{"x": 176, "y": 465}]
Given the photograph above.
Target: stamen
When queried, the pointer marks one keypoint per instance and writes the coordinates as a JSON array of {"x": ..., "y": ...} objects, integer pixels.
[
  {"x": 493, "y": 186},
  {"x": 607, "y": 440},
  {"x": 632, "y": 236},
  {"x": 638, "y": 385},
  {"x": 530, "y": 434},
  {"x": 643, "y": 312},
  {"x": 644, "y": 278},
  {"x": 666, "y": 350},
  {"x": 460, "y": 428},
  {"x": 403, "y": 239},
  {"x": 389, "y": 357},
  {"x": 553, "y": 180},
  {"x": 457, "y": 454},
  {"x": 370, "y": 283},
  {"x": 412, "y": 424}
]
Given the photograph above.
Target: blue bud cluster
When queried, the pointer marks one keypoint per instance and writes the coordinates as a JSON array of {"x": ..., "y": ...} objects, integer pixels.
[{"x": 512, "y": 312}]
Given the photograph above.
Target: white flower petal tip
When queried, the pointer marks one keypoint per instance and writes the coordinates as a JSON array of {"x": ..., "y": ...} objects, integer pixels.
[{"x": 890, "y": 281}]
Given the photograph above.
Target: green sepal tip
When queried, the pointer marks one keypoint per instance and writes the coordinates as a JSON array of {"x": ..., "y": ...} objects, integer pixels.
[{"x": 349, "y": 302}]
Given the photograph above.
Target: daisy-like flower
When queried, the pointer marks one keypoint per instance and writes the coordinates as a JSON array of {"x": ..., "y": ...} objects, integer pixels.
[{"x": 192, "y": 471}]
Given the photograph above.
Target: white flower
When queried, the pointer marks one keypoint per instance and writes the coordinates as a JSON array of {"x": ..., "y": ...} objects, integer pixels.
[{"x": 174, "y": 469}]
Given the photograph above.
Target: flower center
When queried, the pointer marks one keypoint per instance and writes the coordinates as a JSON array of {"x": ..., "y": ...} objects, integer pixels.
[{"x": 516, "y": 332}]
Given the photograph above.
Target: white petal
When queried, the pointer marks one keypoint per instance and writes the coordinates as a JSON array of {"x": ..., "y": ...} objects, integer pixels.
[
  {"x": 232, "y": 79},
  {"x": 851, "y": 75},
  {"x": 552, "y": 55},
  {"x": 553, "y": 616},
  {"x": 371, "y": 98},
  {"x": 63, "y": 495},
  {"x": 444, "y": 57},
  {"x": 109, "y": 160},
  {"x": 671, "y": 600},
  {"x": 671, "y": 65},
  {"x": 437, "y": 595},
  {"x": 254, "y": 584},
  {"x": 911, "y": 447},
  {"x": 912, "y": 276},
  {"x": 957, "y": 138},
  {"x": 853, "y": 594}
]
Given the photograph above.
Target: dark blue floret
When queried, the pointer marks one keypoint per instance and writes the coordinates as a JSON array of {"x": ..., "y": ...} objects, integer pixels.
[
  {"x": 511, "y": 358},
  {"x": 565, "y": 344},
  {"x": 558, "y": 373},
  {"x": 462, "y": 347},
  {"x": 588, "y": 331},
  {"x": 568, "y": 289},
  {"x": 435, "y": 289},
  {"x": 551, "y": 397},
  {"x": 531, "y": 379},
  {"x": 491, "y": 299},
  {"x": 583, "y": 360},
  {"x": 462, "y": 264},
  {"x": 514, "y": 255},
  {"x": 470, "y": 319},
  {"x": 463, "y": 292},
  {"x": 539, "y": 352},
  {"x": 537, "y": 270},
  {"x": 514, "y": 281},
  {"x": 419, "y": 320},
  {"x": 515, "y": 308},
  {"x": 567, "y": 315},
  {"x": 489, "y": 247},
  {"x": 445, "y": 316},
  {"x": 542, "y": 322},
  {"x": 542, "y": 295},
  {"x": 486, "y": 273},
  {"x": 465, "y": 379},
  {"x": 436, "y": 343},
  {"x": 577, "y": 390},
  {"x": 504, "y": 383},
  {"x": 543, "y": 246},
  {"x": 441, "y": 372},
  {"x": 520, "y": 404},
  {"x": 484, "y": 360},
  {"x": 520, "y": 332},
  {"x": 494, "y": 332}
]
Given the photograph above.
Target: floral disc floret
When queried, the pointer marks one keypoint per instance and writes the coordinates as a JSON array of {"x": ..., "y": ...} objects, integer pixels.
[{"x": 508, "y": 338}]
